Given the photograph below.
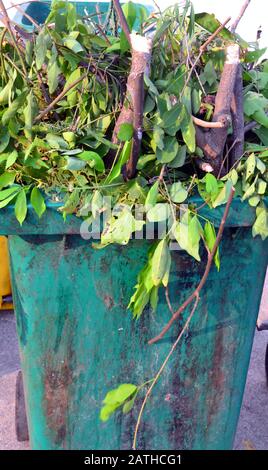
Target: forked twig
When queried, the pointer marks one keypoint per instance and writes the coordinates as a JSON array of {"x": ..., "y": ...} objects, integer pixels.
[{"x": 196, "y": 292}]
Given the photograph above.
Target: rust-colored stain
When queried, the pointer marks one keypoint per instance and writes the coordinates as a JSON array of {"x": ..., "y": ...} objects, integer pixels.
[
  {"x": 108, "y": 300},
  {"x": 217, "y": 378},
  {"x": 57, "y": 380}
]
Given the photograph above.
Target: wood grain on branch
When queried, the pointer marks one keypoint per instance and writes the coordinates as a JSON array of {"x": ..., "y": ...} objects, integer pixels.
[{"x": 210, "y": 258}]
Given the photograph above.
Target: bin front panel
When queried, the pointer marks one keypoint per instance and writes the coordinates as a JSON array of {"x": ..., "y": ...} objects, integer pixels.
[{"x": 78, "y": 340}]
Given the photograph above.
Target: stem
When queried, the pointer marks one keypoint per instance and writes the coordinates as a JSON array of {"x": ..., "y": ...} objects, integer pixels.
[
  {"x": 204, "y": 277},
  {"x": 6, "y": 20},
  {"x": 59, "y": 97}
]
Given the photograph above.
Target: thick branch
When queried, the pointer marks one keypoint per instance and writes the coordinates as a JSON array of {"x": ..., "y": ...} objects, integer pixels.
[
  {"x": 241, "y": 13},
  {"x": 210, "y": 258},
  {"x": 212, "y": 142}
]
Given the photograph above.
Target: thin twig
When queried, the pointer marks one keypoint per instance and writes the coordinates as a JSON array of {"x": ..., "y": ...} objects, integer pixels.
[
  {"x": 204, "y": 277},
  {"x": 24, "y": 13},
  {"x": 168, "y": 301},
  {"x": 241, "y": 13},
  {"x": 207, "y": 124},
  {"x": 149, "y": 391},
  {"x": 7, "y": 23},
  {"x": 59, "y": 97},
  {"x": 201, "y": 50}
]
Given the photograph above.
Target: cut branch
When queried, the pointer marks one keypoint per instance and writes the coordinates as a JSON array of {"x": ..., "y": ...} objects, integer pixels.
[
  {"x": 210, "y": 258},
  {"x": 241, "y": 13},
  {"x": 133, "y": 105},
  {"x": 212, "y": 142}
]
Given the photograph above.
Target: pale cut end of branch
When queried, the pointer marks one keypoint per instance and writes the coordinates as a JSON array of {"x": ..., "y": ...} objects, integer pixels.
[
  {"x": 233, "y": 54},
  {"x": 141, "y": 44}
]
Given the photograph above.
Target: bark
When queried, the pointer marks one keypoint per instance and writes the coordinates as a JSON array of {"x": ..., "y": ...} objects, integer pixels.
[
  {"x": 132, "y": 109},
  {"x": 212, "y": 141},
  {"x": 237, "y": 119}
]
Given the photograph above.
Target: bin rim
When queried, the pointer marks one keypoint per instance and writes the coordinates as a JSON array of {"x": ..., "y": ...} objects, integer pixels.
[{"x": 241, "y": 214}]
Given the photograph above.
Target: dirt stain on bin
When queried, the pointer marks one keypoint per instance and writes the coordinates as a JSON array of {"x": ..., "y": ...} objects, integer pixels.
[{"x": 56, "y": 382}]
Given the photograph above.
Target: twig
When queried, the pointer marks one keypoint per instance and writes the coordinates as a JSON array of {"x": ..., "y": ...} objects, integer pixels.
[
  {"x": 122, "y": 19},
  {"x": 24, "y": 13},
  {"x": 201, "y": 50},
  {"x": 248, "y": 127},
  {"x": 210, "y": 258},
  {"x": 59, "y": 97},
  {"x": 6, "y": 20},
  {"x": 149, "y": 391},
  {"x": 241, "y": 13},
  {"x": 208, "y": 125},
  {"x": 168, "y": 301}
]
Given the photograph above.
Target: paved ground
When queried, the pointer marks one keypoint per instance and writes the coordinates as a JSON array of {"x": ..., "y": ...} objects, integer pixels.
[{"x": 252, "y": 432}]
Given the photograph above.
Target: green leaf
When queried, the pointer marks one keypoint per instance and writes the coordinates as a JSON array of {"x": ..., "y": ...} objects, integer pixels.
[
  {"x": 180, "y": 158},
  {"x": 169, "y": 151},
  {"x": 56, "y": 141},
  {"x": 210, "y": 23},
  {"x": 96, "y": 203},
  {"x": 250, "y": 166},
  {"x": 73, "y": 45},
  {"x": 53, "y": 71},
  {"x": 212, "y": 187},
  {"x": 254, "y": 103},
  {"x": 8, "y": 199},
  {"x": 38, "y": 202},
  {"x": 160, "y": 262},
  {"x": 254, "y": 56},
  {"x": 260, "y": 226},
  {"x": 210, "y": 238},
  {"x": 223, "y": 195},
  {"x": 7, "y": 179},
  {"x": 43, "y": 42},
  {"x": 122, "y": 160},
  {"x": 116, "y": 398},
  {"x": 188, "y": 132},
  {"x": 4, "y": 138},
  {"x": 7, "y": 192},
  {"x": 172, "y": 119},
  {"x": 21, "y": 207},
  {"x": 74, "y": 164},
  {"x": 93, "y": 159},
  {"x": 152, "y": 195},
  {"x": 30, "y": 112},
  {"x": 188, "y": 232},
  {"x": 130, "y": 11},
  {"x": 178, "y": 193},
  {"x": 119, "y": 228},
  {"x": 209, "y": 74},
  {"x": 14, "y": 107},
  {"x": 125, "y": 132},
  {"x": 158, "y": 213},
  {"x": 11, "y": 159}
]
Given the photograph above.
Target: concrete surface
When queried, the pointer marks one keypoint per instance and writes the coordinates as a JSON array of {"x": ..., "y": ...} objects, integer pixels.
[{"x": 252, "y": 432}]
